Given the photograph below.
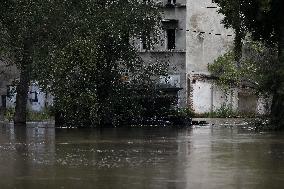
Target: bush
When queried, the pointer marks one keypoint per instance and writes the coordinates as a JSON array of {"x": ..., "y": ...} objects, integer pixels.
[
  {"x": 9, "y": 114},
  {"x": 39, "y": 116},
  {"x": 182, "y": 112},
  {"x": 46, "y": 114},
  {"x": 226, "y": 111}
]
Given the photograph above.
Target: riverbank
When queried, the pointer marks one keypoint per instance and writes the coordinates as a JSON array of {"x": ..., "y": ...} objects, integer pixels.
[
  {"x": 221, "y": 121},
  {"x": 195, "y": 121}
]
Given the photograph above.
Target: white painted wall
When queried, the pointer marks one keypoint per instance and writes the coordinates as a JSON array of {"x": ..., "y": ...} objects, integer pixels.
[
  {"x": 206, "y": 40},
  {"x": 43, "y": 99},
  {"x": 207, "y": 97}
]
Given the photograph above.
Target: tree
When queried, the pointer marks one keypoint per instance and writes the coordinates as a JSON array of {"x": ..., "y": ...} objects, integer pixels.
[
  {"x": 255, "y": 70},
  {"x": 22, "y": 25},
  {"x": 234, "y": 9},
  {"x": 79, "y": 51},
  {"x": 76, "y": 50},
  {"x": 264, "y": 20},
  {"x": 98, "y": 76}
]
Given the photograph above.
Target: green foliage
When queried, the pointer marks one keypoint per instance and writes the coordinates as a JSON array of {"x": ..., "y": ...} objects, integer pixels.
[
  {"x": 225, "y": 69},
  {"x": 225, "y": 111},
  {"x": 87, "y": 75},
  {"x": 9, "y": 114},
  {"x": 255, "y": 69},
  {"x": 39, "y": 116},
  {"x": 260, "y": 18},
  {"x": 182, "y": 112},
  {"x": 79, "y": 51},
  {"x": 44, "y": 115},
  {"x": 263, "y": 20}
]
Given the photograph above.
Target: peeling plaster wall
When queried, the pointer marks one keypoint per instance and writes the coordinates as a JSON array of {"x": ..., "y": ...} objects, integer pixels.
[
  {"x": 204, "y": 48},
  {"x": 206, "y": 40},
  {"x": 205, "y": 96}
]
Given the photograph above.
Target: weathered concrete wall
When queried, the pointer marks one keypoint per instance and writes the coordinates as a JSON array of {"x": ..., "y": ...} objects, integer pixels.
[
  {"x": 8, "y": 73},
  {"x": 263, "y": 105},
  {"x": 177, "y": 13},
  {"x": 175, "y": 59},
  {"x": 175, "y": 63},
  {"x": 206, "y": 39},
  {"x": 205, "y": 96}
]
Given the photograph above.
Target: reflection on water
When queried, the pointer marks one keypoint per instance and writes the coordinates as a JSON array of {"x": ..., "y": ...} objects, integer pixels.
[{"x": 204, "y": 157}]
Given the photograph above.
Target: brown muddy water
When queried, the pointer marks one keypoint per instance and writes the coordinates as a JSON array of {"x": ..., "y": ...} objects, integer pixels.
[{"x": 203, "y": 157}]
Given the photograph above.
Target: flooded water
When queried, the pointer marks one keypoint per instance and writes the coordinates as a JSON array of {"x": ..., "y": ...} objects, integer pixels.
[{"x": 220, "y": 157}]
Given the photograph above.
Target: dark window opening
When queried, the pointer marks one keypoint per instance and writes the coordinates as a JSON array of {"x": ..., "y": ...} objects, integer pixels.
[
  {"x": 11, "y": 90},
  {"x": 171, "y": 38},
  {"x": 34, "y": 97},
  {"x": 3, "y": 99},
  {"x": 171, "y": 1}
]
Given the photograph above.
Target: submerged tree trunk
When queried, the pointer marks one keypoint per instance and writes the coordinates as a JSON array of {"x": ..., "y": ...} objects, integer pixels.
[
  {"x": 23, "y": 87},
  {"x": 277, "y": 108}
]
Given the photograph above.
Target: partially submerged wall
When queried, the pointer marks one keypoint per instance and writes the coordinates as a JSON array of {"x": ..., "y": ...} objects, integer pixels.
[
  {"x": 206, "y": 40},
  {"x": 205, "y": 96}
]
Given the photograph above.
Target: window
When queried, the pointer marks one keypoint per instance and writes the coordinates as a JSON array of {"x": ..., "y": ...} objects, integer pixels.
[
  {"x": 171, "y": 1},
  {"x": 33, "y": 97},
  {"x": 11, "y": 90},
  {"x": 171, "y": 39},
  {"x": 170, "y": 26}
]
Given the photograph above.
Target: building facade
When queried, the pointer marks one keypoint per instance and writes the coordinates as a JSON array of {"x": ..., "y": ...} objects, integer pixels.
[
  {"x": 191, "y": 37},
  {"x": 37, "y": 100},
  {"x": 206, "y": 40},
  {"x": 171, "y": 46}
]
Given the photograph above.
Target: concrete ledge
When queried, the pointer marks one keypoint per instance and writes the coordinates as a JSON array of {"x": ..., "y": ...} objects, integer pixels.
[{"x": 223, "y": 121}]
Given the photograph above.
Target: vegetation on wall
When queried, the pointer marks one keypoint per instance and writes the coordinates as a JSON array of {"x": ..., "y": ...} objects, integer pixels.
[
  {"x": 255, "y": 70},
  {"x": 263, "y": 20}
]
